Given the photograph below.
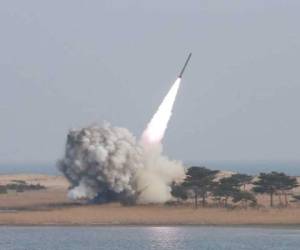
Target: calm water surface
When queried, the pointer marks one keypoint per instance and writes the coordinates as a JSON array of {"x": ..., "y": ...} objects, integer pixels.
[{"x": 214, "y": 238}]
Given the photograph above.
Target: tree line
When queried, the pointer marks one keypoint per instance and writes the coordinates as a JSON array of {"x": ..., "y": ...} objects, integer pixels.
[{"x": 202, "y": 184}]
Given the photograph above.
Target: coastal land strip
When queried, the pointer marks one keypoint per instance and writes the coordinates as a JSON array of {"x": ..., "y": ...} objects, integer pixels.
[{"x": 50, "y": 206}]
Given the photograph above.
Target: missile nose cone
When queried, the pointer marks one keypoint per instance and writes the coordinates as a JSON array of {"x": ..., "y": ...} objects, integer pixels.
[{"x": 184, "y": 66}]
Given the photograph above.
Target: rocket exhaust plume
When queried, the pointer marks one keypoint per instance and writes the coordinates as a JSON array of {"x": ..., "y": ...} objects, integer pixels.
[
  {"x": 105, "y": 163},
  {"x": 155, "y": 130}
]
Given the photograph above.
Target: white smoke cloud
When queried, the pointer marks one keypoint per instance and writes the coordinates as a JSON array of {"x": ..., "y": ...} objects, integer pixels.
[
  {"x": 82, "y": 191},
  {"x": 107, "y": 163}
]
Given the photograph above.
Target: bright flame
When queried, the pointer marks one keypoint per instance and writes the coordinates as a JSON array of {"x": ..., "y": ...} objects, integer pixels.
[{"x": 155, "y": 130}]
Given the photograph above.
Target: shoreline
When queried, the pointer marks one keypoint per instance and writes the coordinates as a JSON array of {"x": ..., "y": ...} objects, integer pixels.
[
  {"x": 261, "y": 226},
  {"x": 117, "y": 215},
  {"x": 51, "y": 207}
]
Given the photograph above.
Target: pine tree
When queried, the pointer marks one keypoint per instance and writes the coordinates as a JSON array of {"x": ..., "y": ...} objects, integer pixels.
[{"x": 201, "y": 181}]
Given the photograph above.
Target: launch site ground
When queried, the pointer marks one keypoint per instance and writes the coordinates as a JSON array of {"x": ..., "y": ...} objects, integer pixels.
[{"x": 51, "y": 206}]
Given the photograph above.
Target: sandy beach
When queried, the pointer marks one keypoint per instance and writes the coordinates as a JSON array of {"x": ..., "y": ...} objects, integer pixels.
[{"x": 51, "y": 207}]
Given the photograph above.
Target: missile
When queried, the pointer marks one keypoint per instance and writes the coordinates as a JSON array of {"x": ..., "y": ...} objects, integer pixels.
[{"x": 184, "y": 66}]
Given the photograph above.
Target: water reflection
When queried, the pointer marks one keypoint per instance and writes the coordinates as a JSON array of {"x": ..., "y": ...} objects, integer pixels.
[
  {"x": 148, "y": 238},
  {"x": 165, "y": 237}
]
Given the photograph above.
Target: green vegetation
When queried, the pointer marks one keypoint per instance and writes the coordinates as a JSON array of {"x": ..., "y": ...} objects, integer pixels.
[
  {"x": 244, "y": 197},
  {"x": 230, "y": 188},
  {"x": 230, "y": 191},
  {"x": 224, "y": 189},
  {"x": 296, "y": 198},
  {"x": 19, "y": 186},
  {"x": 3, "y": 189},
  {"x": 179, "y": 192},
  {"x": 200, "y": 182},
  {"x": 275, "y": 183},
  {"x": 243, "y": 179}
]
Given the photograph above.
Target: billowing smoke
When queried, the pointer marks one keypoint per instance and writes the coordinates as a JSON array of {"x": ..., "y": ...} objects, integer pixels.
[{"x": 105, "y": 163}]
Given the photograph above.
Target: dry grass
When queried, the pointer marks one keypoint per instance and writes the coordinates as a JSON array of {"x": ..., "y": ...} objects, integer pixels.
[{"x": 146, "y": 215}]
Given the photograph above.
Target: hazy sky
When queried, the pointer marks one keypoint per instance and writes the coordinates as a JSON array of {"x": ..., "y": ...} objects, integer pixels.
[{"x": 67, "y": 64}]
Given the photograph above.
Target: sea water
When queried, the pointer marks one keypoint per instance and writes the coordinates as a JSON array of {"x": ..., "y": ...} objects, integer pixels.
[{"x": 149, "y": 237}]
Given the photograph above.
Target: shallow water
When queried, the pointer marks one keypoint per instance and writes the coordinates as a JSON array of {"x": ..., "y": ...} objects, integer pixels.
[{"x": 214, "y": 238}]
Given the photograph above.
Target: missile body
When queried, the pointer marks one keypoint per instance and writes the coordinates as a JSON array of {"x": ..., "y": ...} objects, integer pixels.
[{"x": 184, "y": 66}]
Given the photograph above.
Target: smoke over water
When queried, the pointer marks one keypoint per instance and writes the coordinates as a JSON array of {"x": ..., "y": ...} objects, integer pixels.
[{"x": 105, "y": 163}]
